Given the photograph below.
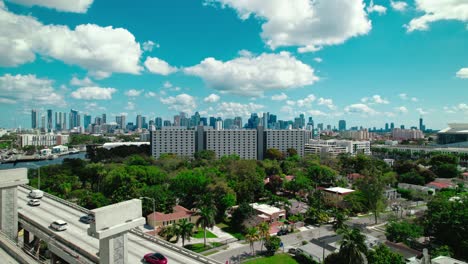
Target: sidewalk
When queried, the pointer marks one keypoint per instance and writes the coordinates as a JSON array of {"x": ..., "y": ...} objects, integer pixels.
[{"x": 221, "y": 237}]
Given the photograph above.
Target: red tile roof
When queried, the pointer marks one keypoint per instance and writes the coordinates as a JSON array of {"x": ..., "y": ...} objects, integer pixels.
[
  {"x": 439, "y": 185},
  {"x": 289, "y": 177},
  {"x": 178, "y": 212}
]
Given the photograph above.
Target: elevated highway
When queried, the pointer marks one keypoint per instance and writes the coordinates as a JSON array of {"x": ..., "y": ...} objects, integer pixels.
[{"x": 76, "y": 242}]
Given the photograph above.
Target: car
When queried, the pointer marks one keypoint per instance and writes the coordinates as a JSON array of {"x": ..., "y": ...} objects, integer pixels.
[
  {"x": 155, "y": 258},
  {"x": 34, "y": 202},
  {"x": 282, "y": 232},
  {"x": 36, "y": 194},
  {"x": 59, "y": 225},
  {"x": 87, "y": 219}
]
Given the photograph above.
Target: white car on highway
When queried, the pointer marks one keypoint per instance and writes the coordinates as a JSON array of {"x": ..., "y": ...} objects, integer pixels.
[
  {"x": 34, "y": 202},
  {"x": 59, "y": 225}
]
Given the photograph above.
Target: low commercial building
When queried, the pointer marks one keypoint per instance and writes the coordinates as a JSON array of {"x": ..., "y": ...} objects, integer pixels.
[
  {"x": 335, "y": 147},
  {"x": 158, "y": 219},
  {"x": 43, "y": 140},
  {"x": 334, "y": 196}
]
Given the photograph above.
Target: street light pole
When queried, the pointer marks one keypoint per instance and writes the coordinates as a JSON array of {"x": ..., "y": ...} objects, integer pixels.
[{"x": 154, "y": 208}]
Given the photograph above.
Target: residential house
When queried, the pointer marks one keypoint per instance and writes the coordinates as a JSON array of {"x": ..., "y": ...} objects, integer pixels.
[
  {"x": 268, "y": 213},
  {"x": 158, "y": 219}
]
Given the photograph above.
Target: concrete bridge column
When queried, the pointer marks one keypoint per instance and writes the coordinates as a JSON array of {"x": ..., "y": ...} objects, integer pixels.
[
  {"x": 25, "y": 237},
  {"x": 111, "y": 226},
  {"x": 9, "y": 181}
]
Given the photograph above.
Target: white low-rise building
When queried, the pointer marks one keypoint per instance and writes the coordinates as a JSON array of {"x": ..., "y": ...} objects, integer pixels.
[
  {"x": 43, "y": 140},
  {"x": 335, "y": 147}
]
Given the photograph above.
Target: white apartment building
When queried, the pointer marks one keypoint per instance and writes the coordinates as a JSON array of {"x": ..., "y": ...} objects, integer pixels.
[
  {"x": 174, "y": 140},
  {"x": 242, "y": 142},
  {"x": 285, "y": 139},
  {"x": 246, "y": 143},
  {"x": 407, "y": 134},
  {"x": 43, "y": 140},
  {"x": 335, "y": 147}
]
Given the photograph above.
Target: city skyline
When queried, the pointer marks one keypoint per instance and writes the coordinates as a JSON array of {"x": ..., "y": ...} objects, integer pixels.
[
  {"x": 267, "y": 120},
  {"x": 394, "y": 63}
]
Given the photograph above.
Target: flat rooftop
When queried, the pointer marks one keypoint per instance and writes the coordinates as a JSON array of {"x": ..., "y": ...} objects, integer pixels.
[
  {"x": 266, "y": 209},
  {"x": 339, "y": 190}
]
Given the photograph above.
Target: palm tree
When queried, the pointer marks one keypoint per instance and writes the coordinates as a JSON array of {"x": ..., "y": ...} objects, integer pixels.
[
  {"x": 251, "y": 236},
  {"x": 340, "y": 219},
  {"x": 264, "y": 232},
  {"x": 184, "y": 230},
  {"x": 168, "y": 232},
  {"x": 207, "y": 215},
  {"x": 353, "y": 248}
]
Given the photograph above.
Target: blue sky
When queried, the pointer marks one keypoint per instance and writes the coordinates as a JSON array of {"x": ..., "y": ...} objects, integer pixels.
[{"x": 368, "y": 62}]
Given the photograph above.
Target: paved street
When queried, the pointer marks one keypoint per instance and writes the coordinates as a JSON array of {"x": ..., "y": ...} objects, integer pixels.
[{"x": 237, "y": 251}]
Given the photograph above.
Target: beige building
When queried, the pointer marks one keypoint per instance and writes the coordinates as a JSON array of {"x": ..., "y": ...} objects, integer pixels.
[
  {"x": 158, "y": 219},
  {"x": 334, "y": 196}
]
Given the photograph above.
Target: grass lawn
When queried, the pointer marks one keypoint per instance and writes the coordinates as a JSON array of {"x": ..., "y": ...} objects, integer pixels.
[
  {"x": 276, "y": 259},
  {"x": 199, "y": 247},
  {"x": 200, "y": 234},
  {"x": 228, "y": 229}
]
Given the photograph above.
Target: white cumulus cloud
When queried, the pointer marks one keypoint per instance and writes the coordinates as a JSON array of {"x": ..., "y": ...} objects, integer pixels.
[
  {"x": 360, "y": 109},
  {"x": 326, "y": 102},
  {"x": 399, "y": 5},
  {"x": 130, "y": 106},
  {"x": 86, "y": 81},
  {"x": 100, "y": 50},
  {"x": 232, "y": 109},
  {"x": 74, "y": 6},
  {"x": 279, "y": 97},
  {"x": 93, "y": 93},
  {"x": 27, "y": 89},
  {"x": 376, "y": 8},
  {"x": 463, "y": 73},
  {"x": 133, "y": 93},
  {"x": 158, "y": 66},
  {"x": 304, "y": 23},
  {"x": 437, "y": 10},
  {"x": 212, "y": 98},
  {"x": 401, "y": 109},
  {"x": 375, "y": 99},
  {"x": 149, "y": 45},
  {"x": 252, "y": 76},
  {"x": 180, "y": 103}
]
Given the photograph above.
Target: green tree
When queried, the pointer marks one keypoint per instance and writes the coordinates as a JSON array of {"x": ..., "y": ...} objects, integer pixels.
[
  {"x": 206, "y": 218},
  {"x": 383, "y": 255},
  {"x": 272, "y": 245},
  {"x": 188, "y": 186},
  {"x": 291, "y": 152},
  {"x": 264, "y": 232},
  {"x": 441, "y": 251},
  {"x": 340, "y": 218},
  {"x": 168, "y": 232},
  {"x": 372, "y": 186},
  {"x": 403, "y": 231},
  {"x": 352, "y": 246},
  {"x": 251, "y": 236},
  {"x": 274, "y": 154},
  {"x": 184, "y": 230},
  {"x": 446, "y": 219},
  {"x": 242, "y": 213}
]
